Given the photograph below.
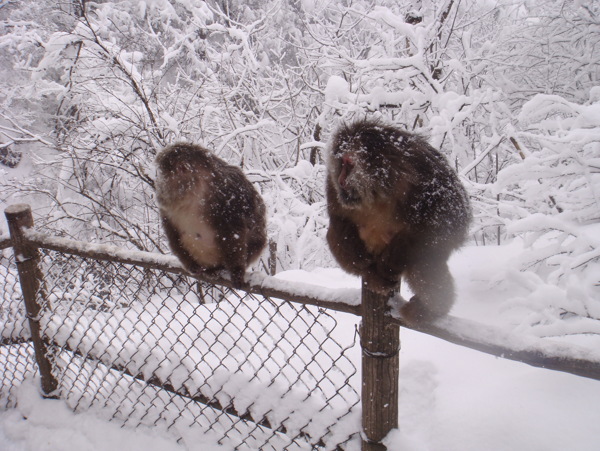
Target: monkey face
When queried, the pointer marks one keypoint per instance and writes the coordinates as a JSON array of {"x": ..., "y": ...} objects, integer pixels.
[
  {"x": 348, "y": 178},
  {"x": 354, "y": 174},
  {"x": 370, "y": 162},
  {"x": 179, "y": 162}
]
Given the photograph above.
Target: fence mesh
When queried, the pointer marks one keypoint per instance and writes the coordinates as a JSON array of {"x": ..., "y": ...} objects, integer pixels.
[
  {"x": 17, "y": 360},
  {"x": 150, "y": 347}
]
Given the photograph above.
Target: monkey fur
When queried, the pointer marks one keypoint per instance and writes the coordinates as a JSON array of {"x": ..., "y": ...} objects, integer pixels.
[
  {"x": 396, "y": 208},
  {"x": 212, "y": 215}
]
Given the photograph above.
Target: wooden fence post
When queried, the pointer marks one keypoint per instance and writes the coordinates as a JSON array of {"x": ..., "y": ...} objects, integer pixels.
[
  {"x": 272, "y": 260},
  {"x": 32, "y": 285},
  {"x": 380, "y": 342}
]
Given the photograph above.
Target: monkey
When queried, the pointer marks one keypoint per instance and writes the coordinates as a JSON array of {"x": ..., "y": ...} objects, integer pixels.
[
  {"x": 396, "y": 208},
  {"x": 212, "y": 215}
]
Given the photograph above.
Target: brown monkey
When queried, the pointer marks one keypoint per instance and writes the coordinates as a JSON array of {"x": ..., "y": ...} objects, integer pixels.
[
  {"x": 212, "y": 215},
  {"x": 395, "y": 208}
]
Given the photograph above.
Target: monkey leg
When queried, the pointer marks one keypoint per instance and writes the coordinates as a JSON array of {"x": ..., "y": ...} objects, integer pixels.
[
  {"x": 433, "y": 286},
  {"x": 235, "y": 253},
  {"x": 383, "y": 276},
  {"x": 347, "y": 247}
]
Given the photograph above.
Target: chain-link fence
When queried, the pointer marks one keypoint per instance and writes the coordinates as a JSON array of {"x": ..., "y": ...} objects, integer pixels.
[
  {"x": 267, "y": 367},
  {"x": 157, "y": 348},
  {"x": 16, "y": 350},
  {"x": 148, "y": 346}
]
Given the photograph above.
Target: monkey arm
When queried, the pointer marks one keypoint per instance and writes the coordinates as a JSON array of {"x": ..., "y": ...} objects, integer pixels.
[
  {"x": 394, "y": 258},
  {"x": 233, "y": 244},
  {"x": 343, "y": 238}
]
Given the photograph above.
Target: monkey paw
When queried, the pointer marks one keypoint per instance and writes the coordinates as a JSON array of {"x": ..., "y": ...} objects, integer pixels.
[
  {"x": 194, "y": 269},
  {"x": 237, "y": 277},
  {"x": 203, "y": 273},
  {"x": 416, "y": 311}
]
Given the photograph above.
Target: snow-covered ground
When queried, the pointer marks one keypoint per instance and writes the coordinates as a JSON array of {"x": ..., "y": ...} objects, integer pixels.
[{"x": 451, "y": 398}]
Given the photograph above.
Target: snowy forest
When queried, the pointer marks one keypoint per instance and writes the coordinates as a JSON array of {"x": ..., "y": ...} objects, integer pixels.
[{"x": 507, "y": 90}]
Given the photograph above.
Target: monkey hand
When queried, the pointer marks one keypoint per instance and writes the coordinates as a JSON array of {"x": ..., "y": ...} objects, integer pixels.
[
  {"x": 193, "y": 268},
  {"x": 237, "y": 277},
  {"x": 196, "y": 270}
]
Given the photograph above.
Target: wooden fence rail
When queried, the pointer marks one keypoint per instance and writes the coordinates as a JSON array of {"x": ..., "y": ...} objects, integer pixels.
[
  {"x": 5, "y": 242},
  {"x": 380, "y": 339},
  {"x": 542, "y": 353}
]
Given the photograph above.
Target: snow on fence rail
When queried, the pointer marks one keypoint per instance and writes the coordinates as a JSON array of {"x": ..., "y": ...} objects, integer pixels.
[{"x": 269, "y": 366}]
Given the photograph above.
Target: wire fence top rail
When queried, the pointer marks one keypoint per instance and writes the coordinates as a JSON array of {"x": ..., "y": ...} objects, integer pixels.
[
  {"x": 341, "y": 300},
  {"x": 534, "y": 351},
  {"x": 5, "y": 242}
]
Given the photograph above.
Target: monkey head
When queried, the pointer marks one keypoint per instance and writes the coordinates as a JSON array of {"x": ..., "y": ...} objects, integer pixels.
[
  {"x": 179, "y": 169},
  {"x": 364, "y": 164}
]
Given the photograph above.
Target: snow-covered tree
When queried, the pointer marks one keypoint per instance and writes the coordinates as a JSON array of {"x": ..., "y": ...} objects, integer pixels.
[
  {"x": 94, "y": 89},
  {"x": 552, "y": 199}
]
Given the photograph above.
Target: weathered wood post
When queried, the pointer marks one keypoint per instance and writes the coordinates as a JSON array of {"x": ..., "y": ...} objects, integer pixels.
[
  {"x": 272, "y": 260},
  {"x": 380, "y": 342},
  {"x": 32, "y": 285}
]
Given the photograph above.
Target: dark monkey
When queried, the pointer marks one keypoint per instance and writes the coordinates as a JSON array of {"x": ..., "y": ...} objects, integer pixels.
[
  {"x": 395, "y": 208},
  {"x": 212, "y": 215}
]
